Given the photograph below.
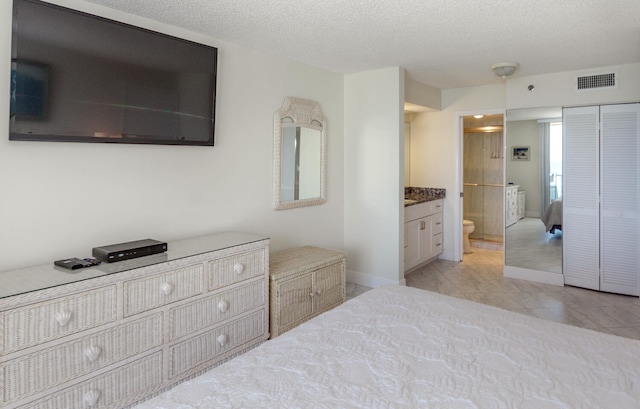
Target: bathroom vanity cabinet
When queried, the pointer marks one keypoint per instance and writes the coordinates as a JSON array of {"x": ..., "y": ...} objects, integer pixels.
[{"x": 422, "y": 233}]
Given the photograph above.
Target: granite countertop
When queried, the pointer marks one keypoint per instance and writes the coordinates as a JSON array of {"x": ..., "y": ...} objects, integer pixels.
[{"x": 417, "y": 195}]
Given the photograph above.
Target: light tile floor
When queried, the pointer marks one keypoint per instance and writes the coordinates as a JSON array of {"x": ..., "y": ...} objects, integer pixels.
[
  {"x": 354, "y": 290},
  {"x": 530, "y": 246},
  {"x": 479, "y": 278}
]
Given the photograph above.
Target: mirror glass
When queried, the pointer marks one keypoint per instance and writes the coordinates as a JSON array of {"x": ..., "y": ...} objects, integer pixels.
[
  {"x": 299, "y": 154},
  {"x": 533, "y": 174},
  {"x": 300, "y": 163}
]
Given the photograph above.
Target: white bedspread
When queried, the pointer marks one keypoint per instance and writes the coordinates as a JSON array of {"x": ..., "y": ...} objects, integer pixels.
[
  {"x": 399, "y": 347},
  {"x": 553, "y": 215}
]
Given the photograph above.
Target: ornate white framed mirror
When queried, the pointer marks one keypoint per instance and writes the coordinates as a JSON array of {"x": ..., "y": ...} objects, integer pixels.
[{"x": 299, "y": 154}]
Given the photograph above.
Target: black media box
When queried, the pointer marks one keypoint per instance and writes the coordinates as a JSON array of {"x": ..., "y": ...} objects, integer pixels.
[{"x": 126, "y": 251}]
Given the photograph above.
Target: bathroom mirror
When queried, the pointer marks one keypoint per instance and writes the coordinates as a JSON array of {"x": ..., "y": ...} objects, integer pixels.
[
  {"x": 534, "y": 240},
  {"x": 299, "y": 154}
]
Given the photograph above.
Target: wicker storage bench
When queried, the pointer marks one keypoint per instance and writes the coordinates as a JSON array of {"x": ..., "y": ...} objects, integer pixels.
[{"x": 304, "y": 282}]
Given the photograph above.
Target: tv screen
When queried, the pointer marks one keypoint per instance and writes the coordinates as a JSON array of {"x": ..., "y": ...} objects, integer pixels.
[{"x": 76, "y": 77}]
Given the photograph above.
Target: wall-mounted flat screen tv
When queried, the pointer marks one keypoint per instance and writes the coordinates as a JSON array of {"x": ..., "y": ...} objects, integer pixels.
[{"x": 76, "y": 77}]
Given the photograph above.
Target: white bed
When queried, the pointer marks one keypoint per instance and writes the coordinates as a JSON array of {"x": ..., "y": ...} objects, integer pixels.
[
  {"x": 552, "y": 217},
  {"x": 399, "y": 347}
]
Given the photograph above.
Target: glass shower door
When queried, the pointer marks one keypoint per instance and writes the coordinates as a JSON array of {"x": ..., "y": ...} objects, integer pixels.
[
  {"x": 473, "y": 177},
  {"x": 483, "y": 189}
]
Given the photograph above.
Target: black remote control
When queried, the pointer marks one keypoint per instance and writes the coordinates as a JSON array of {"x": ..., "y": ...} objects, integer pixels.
[{"x": 76, "y": 263}]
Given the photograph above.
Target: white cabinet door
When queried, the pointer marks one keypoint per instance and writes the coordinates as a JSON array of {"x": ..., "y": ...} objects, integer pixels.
[
  {"x": 418, "y": 247},
  {"x": 620, "y": 131},
  {"x": 580, "y": 224},
  {"x": 412, "y": 244},
  {"x": 426, "y": 238}
]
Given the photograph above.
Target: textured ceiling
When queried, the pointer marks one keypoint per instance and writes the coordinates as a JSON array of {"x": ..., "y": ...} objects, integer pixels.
[{"x": 443, "y": 43}]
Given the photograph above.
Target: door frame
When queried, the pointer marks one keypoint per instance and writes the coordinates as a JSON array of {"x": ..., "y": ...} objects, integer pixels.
[{"x": 459, "y": 131}]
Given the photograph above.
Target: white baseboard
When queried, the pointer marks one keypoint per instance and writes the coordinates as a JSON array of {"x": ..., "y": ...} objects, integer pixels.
[
  {"x": 534, "y": 275},
  {"x": 370, "y": 281}
]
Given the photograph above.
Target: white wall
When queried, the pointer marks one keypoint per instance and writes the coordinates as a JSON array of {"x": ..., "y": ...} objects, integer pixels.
[
  {"x": 374, "y": 182},
  {"x": 61, "y": 199},
  {"x": 423, "y": 95}
]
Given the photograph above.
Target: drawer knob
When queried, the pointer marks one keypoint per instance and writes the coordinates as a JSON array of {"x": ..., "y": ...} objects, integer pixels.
[
  {"x": 318, "y": 292},
  {"x": 312, "y": 294},
  {"x": 223, "y": 306},
  {"x": 238, "y": 268},
  {"x": 63, "y": 317},
  {"x": 91, "y": 397},
  {"x": 222, "y": 339},
  {"x": 166, "y": 288},
  {"x": 92, "y": 353}
]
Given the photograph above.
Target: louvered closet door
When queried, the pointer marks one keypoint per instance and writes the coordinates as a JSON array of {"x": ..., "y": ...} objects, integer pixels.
[
  {"x": 580, "y": 202},
  {"x": 619, "y": 227}
]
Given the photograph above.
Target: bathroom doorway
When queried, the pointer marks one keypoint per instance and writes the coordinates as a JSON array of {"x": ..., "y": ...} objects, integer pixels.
[{"x": 483, "y": 179}]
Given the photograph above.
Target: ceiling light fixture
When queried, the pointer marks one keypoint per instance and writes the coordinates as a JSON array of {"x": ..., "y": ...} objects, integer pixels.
[
  {"x": 504, "y": 69},
  {"x": 478, "y": 116}
]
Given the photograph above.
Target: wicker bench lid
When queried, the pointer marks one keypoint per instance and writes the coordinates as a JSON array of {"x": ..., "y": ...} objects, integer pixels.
[{"x": 301, "y": 259}]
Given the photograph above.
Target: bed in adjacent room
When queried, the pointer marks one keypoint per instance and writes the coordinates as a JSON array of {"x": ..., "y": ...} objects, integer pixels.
[
  {"x": 552, "y": 217},
  {"x": 400, "y": 347}
]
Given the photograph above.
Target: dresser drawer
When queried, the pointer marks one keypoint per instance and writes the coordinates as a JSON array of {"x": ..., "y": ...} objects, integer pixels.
[
  {"x": 40, "y": 371},
  {"x": 205, "y": 347},
  {"x": 114, "y": 389},
  {"x": 208, "y": 311},
  {"x": 37, "y": 323},
  {"x": 237, "y": 268},
  {"x": 161, "y": 289}
]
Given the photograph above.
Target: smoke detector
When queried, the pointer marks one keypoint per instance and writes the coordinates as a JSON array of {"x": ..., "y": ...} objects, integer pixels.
[{"x": 504, "y": 69}]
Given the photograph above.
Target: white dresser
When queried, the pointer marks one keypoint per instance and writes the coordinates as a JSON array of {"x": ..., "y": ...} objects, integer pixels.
[
  {"x": 511, "y": 204},
  {"x": 111, "y": 335},
  {"x": 522, "y": 204}
]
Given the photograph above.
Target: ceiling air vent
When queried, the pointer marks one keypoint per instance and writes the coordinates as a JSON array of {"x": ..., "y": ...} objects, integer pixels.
[{"x": 597, "y": 81}]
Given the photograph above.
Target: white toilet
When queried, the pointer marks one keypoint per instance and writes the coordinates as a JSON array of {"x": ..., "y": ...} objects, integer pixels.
[{"x": 467, "y": 228}]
